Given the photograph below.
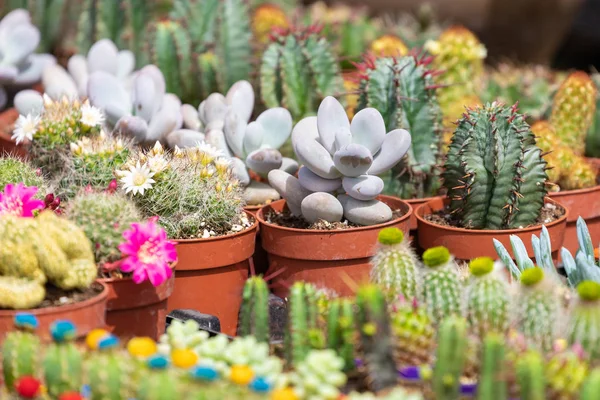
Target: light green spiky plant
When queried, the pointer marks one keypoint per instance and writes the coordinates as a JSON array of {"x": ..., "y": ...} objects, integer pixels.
[
  {"x": 565, "y": 372},
  {"x": 254, "y": 311},
  {"x": 492, "y": 382},
  {"x": 592, "y": 143},
  {"x": 341, "y": 330},
  {"x": 194, "y": 190},
  {"x": 414, "y": 334},
  {"x": 110, "y": 375},
  {"x": 530, "y": 376},
  {"x": 20, "y": 355},
  {"x": 103, "y": 217},
  {"x": 585, "y": 319},
  {"x": 63, "y": 362},
  {"x": 14, "y": 170},
  {"x": 450, "y": 358},
  {"x": 442, "y": 286}
]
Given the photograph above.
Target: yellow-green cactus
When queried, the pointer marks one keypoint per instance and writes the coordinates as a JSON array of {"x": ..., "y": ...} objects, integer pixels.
[{"x": 573, "y": 110}]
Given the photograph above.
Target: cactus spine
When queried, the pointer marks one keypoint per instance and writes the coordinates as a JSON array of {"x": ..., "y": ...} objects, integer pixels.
[
  {"x": 375, "y": 338},
  {"x": 20, "y": 352},
  {"x": 414, "y": 334},
  {"x": 395, "y": 266},
  {"x": 254, "y": 312},
  {"x": 450, "y": 358},
  {"x": 298, "y": 70},
  {"x": 63, "y": 362},
  {"x": 530, "y": 376},
  {"x": 492, "y": 383},
  {"x": 340, "y": 330},
  {"x": 584, "y": 326},
  {"x": 303, "y": 333},
  {"x": 494, "y": 173},
  {"x": 442, "y": 287},
  {"x": 487, "y": 299},
  {"x": 403, "y": 91}
]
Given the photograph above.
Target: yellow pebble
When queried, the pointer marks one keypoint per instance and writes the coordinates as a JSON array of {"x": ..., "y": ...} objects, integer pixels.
[
  {"x": 241, "y": 374},
  {"x": 141, "y": 347},
  {"x": 284, "y": 394},
  {"x": 94, "y": 337},
  {"x": 184, "y": 358}
]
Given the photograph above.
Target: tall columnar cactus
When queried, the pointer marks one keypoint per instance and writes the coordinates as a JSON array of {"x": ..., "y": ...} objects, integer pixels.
[
  {"x": 302, "y": 333},
  {"x": 492, "y": 383},
  {"x": 573, "y": 110},
  {"x": 565, "y": 373},
  {"x": 488, "y": 299},
  {"x": 341, "y": 330},
  {"x": 395, "y": 266},
  {"x": 414, "y": 334},
  {"x": 592, "y": 143},
  {"x": 21, "y": 350},
  {"x": 403, "y": 91},
  {"x": 376, "y": 340},
  {"x": 494, "y": 173},
  {"x": 254, "y": 312},
  {"x": 442, "y": 287},
  {"x": 109, "y": 372},
  {"x": 298, "y": 70},
  {"x": 450, "y": 358},
  {"x": 591, "y": 387},
  {"x": 584, "y": 323},
  {"x": 460, "y": 54},
  {"x": 63, "y": 362},
  {"x": 538, "y": 308},
  {"x": 530, "y": 376}
]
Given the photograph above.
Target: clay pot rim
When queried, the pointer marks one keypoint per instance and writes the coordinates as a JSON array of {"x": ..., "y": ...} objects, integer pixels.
[
  {"x": 421, "y": 200},
  {"x": 129, "y": 278},
  {"x": 100, "y": 297},
  {"x": 532, "y": 229},
  {"x": 565, "y": 193},
  {"x": 251, "y": 228},
  {"x": 255, "y": 208},
  {"x": 259, "y": 217}
]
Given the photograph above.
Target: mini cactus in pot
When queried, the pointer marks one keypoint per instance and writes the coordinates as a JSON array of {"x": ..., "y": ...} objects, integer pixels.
[
  {"x": 414, "y": 333},
  {"x": 441, "y": 289},
  {"x": 450, "y": 358},
  {"x": 20, "y": 350},
  {"x": 254, "y": 312},
  {"x": 63, "y": 361}
]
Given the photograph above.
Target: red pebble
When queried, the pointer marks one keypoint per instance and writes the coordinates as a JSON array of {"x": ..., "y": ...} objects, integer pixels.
[
  {"x": 28, "y": 387},
  {"x": 71, "y": 396}
]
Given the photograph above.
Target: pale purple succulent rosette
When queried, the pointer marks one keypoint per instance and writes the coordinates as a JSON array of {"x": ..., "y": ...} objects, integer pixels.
[
  {"x": 341, "y": 161},
  {"x": 20, "y": 67}
]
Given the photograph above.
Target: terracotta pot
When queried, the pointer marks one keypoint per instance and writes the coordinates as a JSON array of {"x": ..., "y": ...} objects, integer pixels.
[
  {"x": 86, "y": 315},
  {"x": 323, "y": 257},
  {"x": 260, "y": 261},
  {"x": 211, "y": 274},
  {"x": 584, "y": 203},
  {"x": 467, "y": 244},
  {"x": 137, "y": 310},
  {"x": 7, "y": 145}
]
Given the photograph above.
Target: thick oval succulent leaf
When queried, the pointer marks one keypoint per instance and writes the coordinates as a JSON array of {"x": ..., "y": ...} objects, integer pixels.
[
  {"x": 331, "y": 117},
  {"x": 368, "y": 129},
  {"x": 394, "y": 147},
  {"x": 277, "y": 126},
  {"x": 103, "y": 56}
]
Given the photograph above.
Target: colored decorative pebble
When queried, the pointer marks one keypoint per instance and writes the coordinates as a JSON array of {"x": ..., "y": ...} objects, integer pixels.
[
  {"x": 158, "y": 362},
  {"x": 63, "y": 331},
  {"x": 108, "y": 342},
  {"x": 260, "y": 385},
  {"x": 71, "y": 396},
  {"x": 27, "y": 321},
  {"x": 184, "y": 358},
  {"x": 241, "y": 374},
  {"x": 92, "y": 339},
  {"x": 205, "y": 373},
  {"x": 141, "y": 347},
  {"x": 28, "y": 387},
  {"x": 284, "y": 394}
]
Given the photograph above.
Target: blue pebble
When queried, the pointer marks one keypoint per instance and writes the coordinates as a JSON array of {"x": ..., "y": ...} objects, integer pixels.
[
  {"x": 108, "y": 342},
  {"x": 63, "y": 331},
  {"x": 205, "y": 373},
  {"x": 86, "y": 391},
  {"x": 158, "y": 362},
  {"x": 260, "y": 385},
  {"x": 25, "y": 320}
]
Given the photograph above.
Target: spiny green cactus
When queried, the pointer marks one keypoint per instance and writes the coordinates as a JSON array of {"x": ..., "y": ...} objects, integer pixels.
[
  {"x": 538, "y": 308},
  {"x": 20, "y": 353},
  {"x": 591, "y": 387},
  {"x": 450, "y": 358},
  {"x": 573, "y": 110},
  {"x": 403, "y": 91},
  {"x": 341, "y": 330},
  {"x": 395, "y": 266},
  {"x": 254, "y": 311},
  {"x": 14, "y": 170},
  {"x": 494, "y": 173},
  {"x": 488, "y": 308},
  {"x": 592, "y": 143},
  {"x": 103, "y": 217},
  {"x": 584, "y": 324},
  {"x": 63, "y": 362},
  {"x": 565, "y": 374},
  {"x": 160, "y": 385},
  {"x": 414, "y": 334},
  {"x": 441, "y": 290},
  {"x": 302, "y": 333},
  {"x": 530, "y": 376},
  {"x": 376, "y": 344},
  {"x": 109, "y": 375},
  {"x": 492, "y": 383},
  {"x": 298, "y": 70}
]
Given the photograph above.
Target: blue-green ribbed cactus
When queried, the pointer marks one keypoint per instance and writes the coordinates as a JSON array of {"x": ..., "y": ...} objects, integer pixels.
[
  {"x": 395, "y": 266},
  {"x": 492, "y": 382},
  {"x": 341, "y": 330},
  {"x": 303, "y": 333},
  {"x": 488, "y": 308},
  {"x": 21, "y": 350},
  {"x": 254, "y": 311},
  {"x": 442, "y": 288},
  {"x": 494, "y": 172},
  {"x": 63, "y": 362},
  {"x": 584, "y": 324},
  {"x": 450, "y": 358}
]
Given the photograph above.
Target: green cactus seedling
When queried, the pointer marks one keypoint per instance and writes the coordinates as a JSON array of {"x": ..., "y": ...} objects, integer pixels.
[
  {"x": 441, "y": 289},
  {"x": 341, "y": 330},
  {"x": 450, "y": 358},
  {"x": 254, "y": 312}
]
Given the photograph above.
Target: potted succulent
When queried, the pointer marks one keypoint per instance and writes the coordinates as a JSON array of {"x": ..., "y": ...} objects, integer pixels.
[
  {"x": 496, "y": 181},
  {"x": 313, "y": 235},
  {"x": 47, "y": 265},
  {"x": 134, "y": 259},
  {"x": 200, "y": 206}
]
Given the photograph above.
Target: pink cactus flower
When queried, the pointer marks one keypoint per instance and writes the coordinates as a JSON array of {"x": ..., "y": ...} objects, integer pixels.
[
  {"x": 18, "y": 200},
  {"x": 147, "y": 253}
]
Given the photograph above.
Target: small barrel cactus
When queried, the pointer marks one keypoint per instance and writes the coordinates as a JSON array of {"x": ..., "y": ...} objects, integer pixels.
[
  {"x": 488, "y": 299},
  {"x": 538, "y": 308},
  {"x": 13, "y": 170},
  {"x": 341, "y": 330},
  {"x": 103, "y": 217},
  {"x": 298, "y": 70},
  {"x": 109, "y": 373},
  {"x": 494, "y": 173},
  {"x": 592, "y": 143},
  {"x": 410, "y": 103},
  {"x": 160, "y": 383},
  {"x": 302, "y": 333},
  {"x": 63, "y": 362},
  {"x": 442, "y": 287},
  {"x": 492, "y": 382},
  {"x": 395, "y": 266},
  {"x": 376, "y": 339},
  {"x": 566, "y": 371},
  {"x": 531, "y": 380},
  {"x": 573, "y": 110},
  {"x": 414, "y": 334},
  {"x": 450, "y": 358},
  {"x": 254, "y": 311},
  {"x": 21, "y": 350},
  {"x": 583, "y": 325}
]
